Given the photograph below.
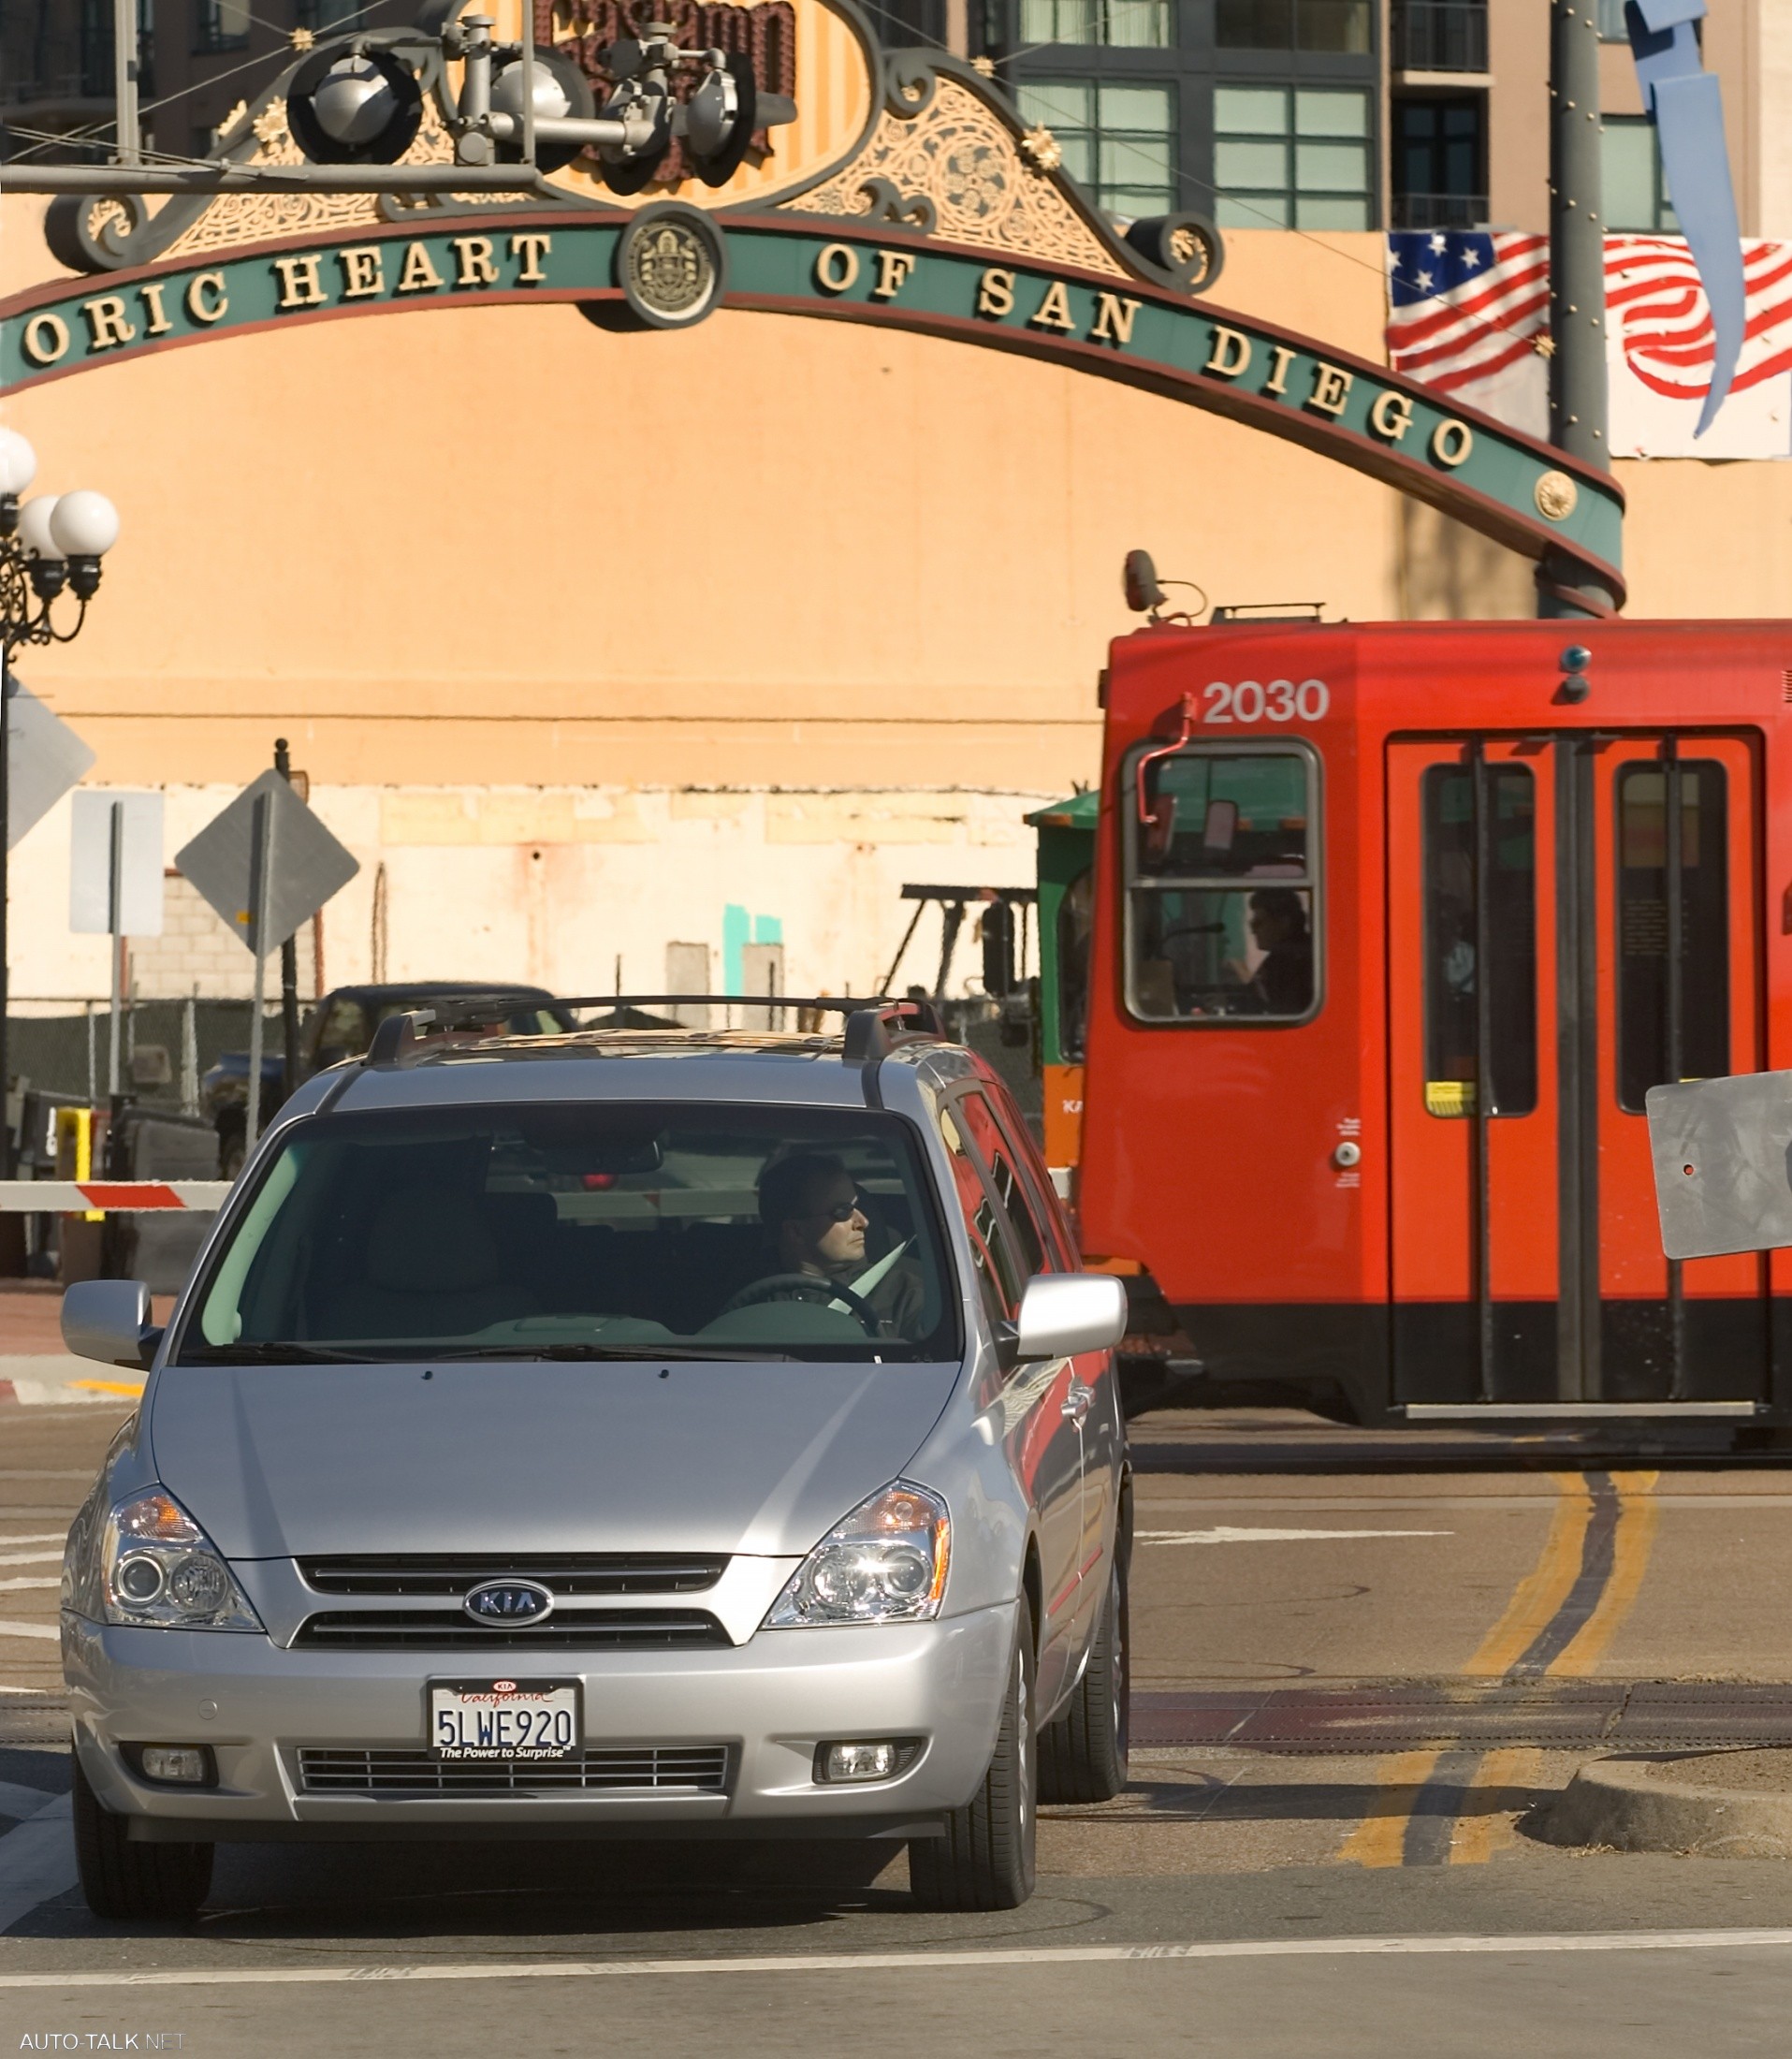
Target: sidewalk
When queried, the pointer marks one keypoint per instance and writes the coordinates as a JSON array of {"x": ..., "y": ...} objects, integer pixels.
[{"x": 33, "y": 1367}]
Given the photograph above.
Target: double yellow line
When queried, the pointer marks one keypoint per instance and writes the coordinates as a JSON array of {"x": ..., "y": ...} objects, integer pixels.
[{"x": 1536, "y": 1604}]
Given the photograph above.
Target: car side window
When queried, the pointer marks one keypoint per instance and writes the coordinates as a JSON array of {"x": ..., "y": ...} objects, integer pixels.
[
  {"x": 344, "y": 1030},
  {"x": 1048, "y": 1211},
  {"x": 999, "y": 1279},
  {"x": 1005, "y": 1176}
]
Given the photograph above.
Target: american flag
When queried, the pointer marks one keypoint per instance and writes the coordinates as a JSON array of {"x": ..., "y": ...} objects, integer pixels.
[{"x": 1465, "y": 306}]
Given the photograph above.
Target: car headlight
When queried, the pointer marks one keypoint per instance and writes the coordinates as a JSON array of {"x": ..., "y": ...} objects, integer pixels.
[
  {"x": 884, "y": 1563},
  {"x": 159, "y": 1571}
]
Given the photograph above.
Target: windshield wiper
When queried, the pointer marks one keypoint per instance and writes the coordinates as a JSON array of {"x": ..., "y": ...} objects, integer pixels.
[
  {"x": 571, "y": 1350},
  {"x": 271, "y": 1354}
]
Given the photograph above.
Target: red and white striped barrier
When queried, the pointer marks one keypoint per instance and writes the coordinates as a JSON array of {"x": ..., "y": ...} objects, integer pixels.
[{"x": 32, "y": 1197}]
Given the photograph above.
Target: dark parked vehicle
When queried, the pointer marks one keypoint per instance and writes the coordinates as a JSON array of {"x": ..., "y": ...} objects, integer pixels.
[{"x": 341, "y": 1026}]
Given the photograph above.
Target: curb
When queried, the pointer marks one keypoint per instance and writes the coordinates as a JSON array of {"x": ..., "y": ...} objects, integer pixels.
[{"x": 1635, "y": 1804}]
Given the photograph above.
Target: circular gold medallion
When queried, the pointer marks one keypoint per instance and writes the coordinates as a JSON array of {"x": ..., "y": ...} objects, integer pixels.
[
  {"x": 1555, "y": 495},
  {"x": 671, "y": 265}
]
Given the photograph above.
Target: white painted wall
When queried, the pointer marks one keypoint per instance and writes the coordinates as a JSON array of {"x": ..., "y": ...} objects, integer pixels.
[{"x": 554, "y": 885}]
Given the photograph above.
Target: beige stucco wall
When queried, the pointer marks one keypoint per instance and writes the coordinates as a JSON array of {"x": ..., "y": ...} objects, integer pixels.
[
  {"x": 503, "y": 544},
  {"x": 586, "y": 636}
]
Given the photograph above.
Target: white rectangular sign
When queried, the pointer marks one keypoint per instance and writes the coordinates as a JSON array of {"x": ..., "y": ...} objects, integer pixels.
[{"x": 136, "y": 821}]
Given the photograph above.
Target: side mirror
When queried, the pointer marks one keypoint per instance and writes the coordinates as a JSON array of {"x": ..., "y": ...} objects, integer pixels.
[
  {"x": 1062, "y": 1314},
  {"x": 1139, "y": 583},
  {"x": 109, "y": 1320}
]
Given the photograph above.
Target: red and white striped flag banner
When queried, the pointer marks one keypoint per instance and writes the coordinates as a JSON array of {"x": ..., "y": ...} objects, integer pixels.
[{"x": 1469, "y": 310}]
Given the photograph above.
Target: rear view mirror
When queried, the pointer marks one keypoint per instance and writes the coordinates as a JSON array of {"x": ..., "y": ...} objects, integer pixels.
[
  {"x": 1219, "y": 828},
  {"x": 109, "y": 1320},
  {"x": 1062, "y": 1314}
]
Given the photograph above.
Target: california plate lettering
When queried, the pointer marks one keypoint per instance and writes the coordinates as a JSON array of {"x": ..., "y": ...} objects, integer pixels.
[{"x": 470, "y": 1719}]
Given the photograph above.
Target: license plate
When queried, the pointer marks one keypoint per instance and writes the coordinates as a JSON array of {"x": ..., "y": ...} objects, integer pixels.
[{"x": 504, "y": 1719}]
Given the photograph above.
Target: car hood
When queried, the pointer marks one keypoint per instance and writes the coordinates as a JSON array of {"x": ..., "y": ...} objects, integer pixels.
[{"x": 279, "y": 1462}]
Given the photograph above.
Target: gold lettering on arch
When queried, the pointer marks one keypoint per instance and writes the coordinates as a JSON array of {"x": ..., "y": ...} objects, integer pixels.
[
  {"x": 206, "y": 299},
  {"x": 1114, "y": 318},
  {"x": 996, "y": 292},
  {"x": 836, "y": 267},
  {"x": 1053, "y": 311},
  {"x": 417, "y": 274},
  {"x": 1232, "y": 352},
  {"x": 1451, "y": 441},
  {"x": 45, "y": 339}
]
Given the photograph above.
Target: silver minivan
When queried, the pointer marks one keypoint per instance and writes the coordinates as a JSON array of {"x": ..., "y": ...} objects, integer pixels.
[{"x": 620, "y": 1433}]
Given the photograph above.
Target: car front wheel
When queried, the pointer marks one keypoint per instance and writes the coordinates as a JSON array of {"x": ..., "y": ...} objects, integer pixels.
[
  {"x": 986, "y": 1859},
  {"x": 122, "y": 1879}
]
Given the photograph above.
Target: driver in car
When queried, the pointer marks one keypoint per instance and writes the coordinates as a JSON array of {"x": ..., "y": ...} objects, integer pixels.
[{"x": 815, "y": 1220}]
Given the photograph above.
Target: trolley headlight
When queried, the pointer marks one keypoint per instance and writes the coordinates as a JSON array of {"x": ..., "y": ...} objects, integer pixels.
[
  {"x": 884, "y": 1563},
  {"x": 159, "y": 1571}
]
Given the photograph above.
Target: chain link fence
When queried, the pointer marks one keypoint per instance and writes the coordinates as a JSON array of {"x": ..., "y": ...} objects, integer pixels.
[{"x": 166, "y": 1048}]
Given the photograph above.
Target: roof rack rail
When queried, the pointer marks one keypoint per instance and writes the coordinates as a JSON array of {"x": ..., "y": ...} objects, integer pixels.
[
  {"x": 875, "y": 1025},
  {"x": 873, "y": 1032},
  {"x": 395, "y": 1040}
]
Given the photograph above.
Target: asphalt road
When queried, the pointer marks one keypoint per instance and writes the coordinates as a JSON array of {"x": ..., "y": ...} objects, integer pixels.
[{"x": 1364, "y": 1667}]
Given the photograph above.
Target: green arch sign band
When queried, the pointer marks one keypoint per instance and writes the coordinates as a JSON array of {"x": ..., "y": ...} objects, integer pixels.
[{"x": 1524, "y": 494}]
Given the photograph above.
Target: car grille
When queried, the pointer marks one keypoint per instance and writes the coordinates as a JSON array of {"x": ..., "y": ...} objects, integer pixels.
[
  {"x": 566, "y": 1573},
  {"x": 702, "y": 1769},
  {"x": 443, "y": 1630}
]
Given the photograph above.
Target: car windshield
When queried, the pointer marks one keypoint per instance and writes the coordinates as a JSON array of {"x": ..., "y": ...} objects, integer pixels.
[{"x": 614, "y": 1230}]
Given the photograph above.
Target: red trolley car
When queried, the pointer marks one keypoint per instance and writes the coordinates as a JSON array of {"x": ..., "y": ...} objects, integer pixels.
[{"x": 1394, "y": 926}]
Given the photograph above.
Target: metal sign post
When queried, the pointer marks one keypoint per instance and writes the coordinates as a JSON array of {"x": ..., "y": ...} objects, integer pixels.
[
  {"x": 266, "y": 864},
  {"x": 115, "y": 930},
  {"x": 115, "y": 887},
  {"x": 260, "y": 866}
]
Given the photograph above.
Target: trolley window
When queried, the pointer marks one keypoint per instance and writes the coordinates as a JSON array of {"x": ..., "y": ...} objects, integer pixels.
[
  {"x": 1647, "y": 1029},
  {"x": 1470, "y": 809},
  {"x": 1222, "y": 877}
]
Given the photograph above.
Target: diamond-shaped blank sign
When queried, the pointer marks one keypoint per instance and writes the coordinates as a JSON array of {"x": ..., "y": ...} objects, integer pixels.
[
  {"x": 46, "y": 759},
  {"x": 267, "y": 824}
]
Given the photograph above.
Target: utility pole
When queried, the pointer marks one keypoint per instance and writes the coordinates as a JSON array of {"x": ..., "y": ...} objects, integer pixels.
[
  {"x": 289, "y": 955},
  {"x": 124, "y": 66},
  {"x": 1577, "y": 283}
]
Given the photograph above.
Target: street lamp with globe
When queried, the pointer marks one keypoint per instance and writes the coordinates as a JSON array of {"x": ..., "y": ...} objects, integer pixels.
[{"x": 49, "y": 545}]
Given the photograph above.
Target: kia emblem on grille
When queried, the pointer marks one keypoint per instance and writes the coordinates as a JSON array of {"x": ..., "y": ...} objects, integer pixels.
[{"x": 499, "y": 1603}]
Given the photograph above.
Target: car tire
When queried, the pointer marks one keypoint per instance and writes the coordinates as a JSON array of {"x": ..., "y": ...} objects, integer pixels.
[
  {"x": 984, "y": 1861},
  {"x": 1083, "y": 1752},
  {"x": 119, "y": 1878}
]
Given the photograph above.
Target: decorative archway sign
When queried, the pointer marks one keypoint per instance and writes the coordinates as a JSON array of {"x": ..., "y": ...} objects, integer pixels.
[{"x": 919, "y": 203}]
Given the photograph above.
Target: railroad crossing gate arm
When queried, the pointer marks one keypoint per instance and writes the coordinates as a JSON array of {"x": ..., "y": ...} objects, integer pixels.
[{"x": 1723, "y": 1157}]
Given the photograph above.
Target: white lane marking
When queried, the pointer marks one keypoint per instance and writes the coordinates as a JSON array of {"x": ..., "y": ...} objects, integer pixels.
[
  {"x": 22, "y": 1802},
  {"x": 33, "y": 1579},
  {"x": 30, "y": 1630},
  {"x": 931, "y": 1961},
  {"x": 37, "y": 1536},
  {"x": 1224, "y": 1534},
  {"x": 37, "y": 1861},
  {"x": 26, "y": 1558}
]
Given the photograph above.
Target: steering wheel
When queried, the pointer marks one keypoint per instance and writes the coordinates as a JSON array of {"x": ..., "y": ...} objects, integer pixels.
[{"x": 804, "y": 1287}]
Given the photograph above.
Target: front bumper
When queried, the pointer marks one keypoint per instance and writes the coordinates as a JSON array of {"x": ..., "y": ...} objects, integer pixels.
[{"x": 769, "y": 1701}]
